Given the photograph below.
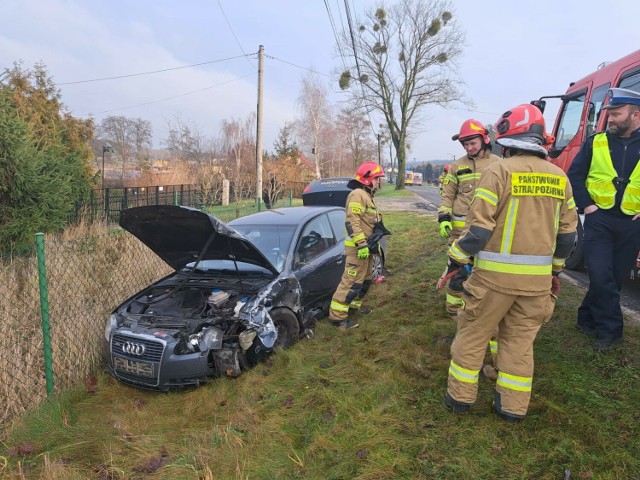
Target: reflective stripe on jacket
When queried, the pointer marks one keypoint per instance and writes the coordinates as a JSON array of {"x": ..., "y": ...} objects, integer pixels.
[
  {"x": 524, "y": 202},
  {"x": 602, "y": 175},
  {"x": 460, "y": 183},
  {"x": 361, "y": 215}
]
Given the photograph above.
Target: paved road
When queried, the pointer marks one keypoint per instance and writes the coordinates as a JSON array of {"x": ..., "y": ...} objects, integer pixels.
[{"x": 630, "y": 295}]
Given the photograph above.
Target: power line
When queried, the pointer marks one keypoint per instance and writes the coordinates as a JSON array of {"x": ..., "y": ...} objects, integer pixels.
[
  {"x": 155, "y": 71},
  {"x": 297, "y": 66},
  {"x": 232, "y": 33},
  {"x": 353, "y": 40},
  {"x": 355, "y": 56},
  {"x": 176, "y": 96},
  {"x": 335, "y": 33}
]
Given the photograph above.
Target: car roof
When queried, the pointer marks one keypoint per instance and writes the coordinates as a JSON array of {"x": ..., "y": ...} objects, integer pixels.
[{"x": 282, "y": 216}]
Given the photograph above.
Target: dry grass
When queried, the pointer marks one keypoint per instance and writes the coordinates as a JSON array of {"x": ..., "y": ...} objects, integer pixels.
[
  {"x": 90, "y": 269},
  {"x": 363, "y": 404}
]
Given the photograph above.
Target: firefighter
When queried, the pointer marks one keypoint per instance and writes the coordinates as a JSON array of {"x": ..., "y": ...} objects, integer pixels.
[
  {"x": 520, "y": 228},
  {"x": 459, "y": 185},
  {"x": 605, "y": 176},
  {"x": 442, "y": 177},
  {"x": 361, "y": 215}
]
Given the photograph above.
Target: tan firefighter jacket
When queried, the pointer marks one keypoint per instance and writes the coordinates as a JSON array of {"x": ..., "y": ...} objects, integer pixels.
[
  {"x": 521, "y": 226},
  {"x": 361, "y": 215},
  {"x": 459, "y": 185}
]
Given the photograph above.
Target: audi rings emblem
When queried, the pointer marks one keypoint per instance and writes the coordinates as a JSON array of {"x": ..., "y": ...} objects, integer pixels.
[{"x": 133, "y": 348}]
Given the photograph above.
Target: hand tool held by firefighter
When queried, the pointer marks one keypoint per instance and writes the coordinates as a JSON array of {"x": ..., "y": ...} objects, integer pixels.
[
  {"x": 363, "y": 252},
  {"x": 452, "y": 269},
  {"x": 445, "y": 229}
]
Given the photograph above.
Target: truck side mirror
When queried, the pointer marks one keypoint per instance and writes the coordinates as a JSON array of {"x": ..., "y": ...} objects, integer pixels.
[{"x": 540, "y": 104}]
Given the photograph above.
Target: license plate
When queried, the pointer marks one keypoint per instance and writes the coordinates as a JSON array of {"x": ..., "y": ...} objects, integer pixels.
[{"x": 142, "y": 369}]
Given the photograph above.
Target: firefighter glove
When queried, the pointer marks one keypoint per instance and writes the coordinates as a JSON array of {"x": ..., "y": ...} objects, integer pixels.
[
  {"x": 461, "y": 275},
  {"x": 445, "y": 229},
  {"x": 555, "y": 284},
  {"x": 444, "y": 219},
  {"x": 363, "y": 252}
]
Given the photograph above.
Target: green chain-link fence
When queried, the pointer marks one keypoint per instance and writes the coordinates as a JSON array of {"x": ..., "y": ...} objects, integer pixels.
[
  {"x": 87, "y": 271},
  {"x": 86, "y": 277}
]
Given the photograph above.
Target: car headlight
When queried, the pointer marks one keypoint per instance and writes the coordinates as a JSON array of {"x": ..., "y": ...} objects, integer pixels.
[
  {"x": 207, "y": 339},
  {"x": 112, "y": 324}
]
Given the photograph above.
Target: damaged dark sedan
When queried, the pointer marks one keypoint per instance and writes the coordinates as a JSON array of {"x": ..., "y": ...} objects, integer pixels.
[{"x": 238, "y": 291}]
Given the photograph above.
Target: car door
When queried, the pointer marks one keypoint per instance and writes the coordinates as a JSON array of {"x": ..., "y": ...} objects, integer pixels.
[{"x": 318, "y": 262}]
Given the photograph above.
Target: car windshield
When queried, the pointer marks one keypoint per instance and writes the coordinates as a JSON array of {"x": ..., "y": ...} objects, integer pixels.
[
  {"x": 272, "y": 240},
  {"x": 226, "y": 267}
]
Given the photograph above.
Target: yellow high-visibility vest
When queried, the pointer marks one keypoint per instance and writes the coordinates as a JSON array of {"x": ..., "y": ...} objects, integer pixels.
[{"x": 600, "y": 181}]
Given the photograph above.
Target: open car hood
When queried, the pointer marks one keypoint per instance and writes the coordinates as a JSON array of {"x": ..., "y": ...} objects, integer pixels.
[{"x": 178, "y": 235}]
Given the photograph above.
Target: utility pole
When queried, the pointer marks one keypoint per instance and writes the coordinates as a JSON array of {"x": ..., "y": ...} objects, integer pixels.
[
  {"x": 259, "y": 127},
  {"x": 378, "y": 149}
]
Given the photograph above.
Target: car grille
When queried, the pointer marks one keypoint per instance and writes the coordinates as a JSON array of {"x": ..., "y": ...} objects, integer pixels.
[
  {"x": 152, "y": 349},
  {"x": 136, "y": 360}
]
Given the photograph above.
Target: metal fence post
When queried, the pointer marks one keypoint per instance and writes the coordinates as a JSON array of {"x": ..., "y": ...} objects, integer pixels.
[
  {"x": 290, "y": 198},
  {"x": 44, "y": 310},
  {"x": 107, "y": 203},
  {"x": 175, "y": 198}
]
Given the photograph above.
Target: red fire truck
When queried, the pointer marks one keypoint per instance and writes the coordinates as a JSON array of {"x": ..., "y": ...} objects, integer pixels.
[{"x": 580, "y": 115}]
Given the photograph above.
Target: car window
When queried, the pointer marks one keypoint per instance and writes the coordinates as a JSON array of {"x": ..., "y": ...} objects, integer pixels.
[
  {"x": 337, "y": 218},
  {"x": 316, "y": 238},
  {"x": 272, "y": 240},
  {"x": 225, "y": 267}
]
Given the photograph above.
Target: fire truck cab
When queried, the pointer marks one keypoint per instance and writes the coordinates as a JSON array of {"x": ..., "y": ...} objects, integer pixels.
[{"x": 580, "y": 115}]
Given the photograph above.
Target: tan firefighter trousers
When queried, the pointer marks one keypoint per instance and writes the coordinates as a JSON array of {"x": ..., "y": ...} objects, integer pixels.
[
  {"x": 453, "y": 300},
  {"x": 517, "y": 319},
  {"x": 354, "y": 285}
]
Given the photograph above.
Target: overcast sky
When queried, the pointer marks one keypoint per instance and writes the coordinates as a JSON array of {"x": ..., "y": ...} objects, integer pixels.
[{"x": 515, "y": 52}]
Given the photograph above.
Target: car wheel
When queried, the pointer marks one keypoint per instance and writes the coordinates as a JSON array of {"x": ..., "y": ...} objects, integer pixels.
[
  {"x": 576, "y": 259},
  {"x": 288, "y": 328},
  {"x": 377, "y": 270}
]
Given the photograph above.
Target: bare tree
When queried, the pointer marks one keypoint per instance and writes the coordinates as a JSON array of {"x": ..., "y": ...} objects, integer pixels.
[
  {"x": 141, "y": 134},
  {"x": 128, "y": 137},
  {"x": 186, "y": 142},
  {"x": 356, "y": 130},
  {"x": 115, "y": 130},
  {"x": 316, "y": 117},
  {"x": 239, "y": 146},
  {"x": 405, "y": 58}
]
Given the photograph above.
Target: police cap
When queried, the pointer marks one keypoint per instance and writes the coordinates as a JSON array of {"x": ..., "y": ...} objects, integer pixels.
[{"x": 619, "y": 97}]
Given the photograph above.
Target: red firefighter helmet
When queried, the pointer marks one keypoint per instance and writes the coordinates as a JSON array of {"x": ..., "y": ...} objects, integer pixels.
[
  {"x": 472, "y": 128},
  {"x": 524, "y": 122},
  {"x": 367, "y": 172},
  {"x": 447, "y": 167}
]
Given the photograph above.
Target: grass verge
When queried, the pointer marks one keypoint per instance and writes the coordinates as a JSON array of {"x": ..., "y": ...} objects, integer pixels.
[{"x": 362, "y": 404}]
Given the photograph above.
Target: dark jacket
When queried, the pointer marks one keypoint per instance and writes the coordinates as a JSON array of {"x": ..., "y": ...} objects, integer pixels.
[{"x": 625, "y": 153}]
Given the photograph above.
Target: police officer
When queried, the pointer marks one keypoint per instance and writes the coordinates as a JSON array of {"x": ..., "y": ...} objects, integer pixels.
[
  {"x": 605, "y": 176},
  {"x": 361, "y": 216},
  {"x": 520, "y": 228},
  {"x": 458, "y": 187}
]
